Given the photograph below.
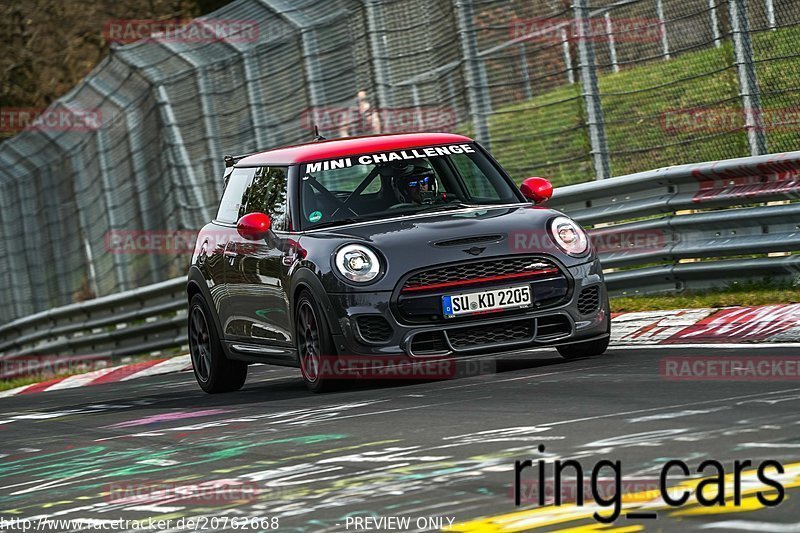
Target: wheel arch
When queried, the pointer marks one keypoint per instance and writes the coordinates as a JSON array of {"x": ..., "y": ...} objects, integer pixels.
[
  {"x": 305, "y": 279},
  {"x": 196, "y": 284}
]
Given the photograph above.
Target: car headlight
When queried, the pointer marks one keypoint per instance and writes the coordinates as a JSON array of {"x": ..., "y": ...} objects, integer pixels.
[
  {"x": 357, "y": 263},
  {"x": 569, "y": 236}
]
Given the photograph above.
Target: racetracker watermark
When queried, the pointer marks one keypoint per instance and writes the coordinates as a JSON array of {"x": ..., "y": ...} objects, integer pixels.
[
  {"x": 214, "y": 492},
  {"x": 158, "y": 242},
  {"x": 15, "y": 119},
  {"x": 556, "y": 30},
  {"x": 721, "y": 120},
  {"x": 604, "y": 240},
  {"x": 380, "y": 120},
  {"x": 719, "y": 368},
  {"x": 179, "y": 30},
  {"x": 150, "y": 242},
  {"x": 51, "y": 365},
  {"x": 401, "y": 367}
]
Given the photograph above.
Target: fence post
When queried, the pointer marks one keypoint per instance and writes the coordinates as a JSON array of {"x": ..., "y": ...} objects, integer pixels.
[
  {"x": 180, "y": 155},
  {"x": 415, "y": 100},
  {"x": 210, "y": 122},
  {"x": 770, "y": 8},
  {"x": 478, "y": 91},
  {"x": 106, "y": 171},
  {"x": 567, "y": 56},
  {"x": 138, "y": 165},
  {"x": 591, "y": 92},
  {"x": 29, "y": 238},
  {"x": 523, "y": 65},
  {"x": 209, "y": 116},
  {"x": 748, "y": 85},
  {"x": 52, "y": 204},
  {"x": 378, "y": 52},
  {"x": 662, "y": 24},
  {"x": 80, "y": 186},
  {"x": 612, "y": 46},
  {"x": 255, "y": 101},
  {"x": 712, "y": 13}
]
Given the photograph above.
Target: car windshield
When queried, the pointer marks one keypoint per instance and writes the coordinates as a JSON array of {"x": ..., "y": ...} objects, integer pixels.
[{"x": 402, "y": 182}]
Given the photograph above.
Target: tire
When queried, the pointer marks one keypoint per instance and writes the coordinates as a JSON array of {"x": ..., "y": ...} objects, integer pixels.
[
  {"x": 213, "y": 371},
  {"x": 314, "y": 344},
  {"x": 583, "y": 349}
]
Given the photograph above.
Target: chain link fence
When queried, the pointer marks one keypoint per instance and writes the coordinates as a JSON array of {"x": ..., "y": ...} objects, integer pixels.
[{"x": 572, "y": 91}]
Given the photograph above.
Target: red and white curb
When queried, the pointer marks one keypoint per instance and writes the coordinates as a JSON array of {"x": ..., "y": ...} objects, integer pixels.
[
  {"x": 729, "y": 325},
  {"x": 107, "y": 375},
  {"x": 708, "y": 326}
]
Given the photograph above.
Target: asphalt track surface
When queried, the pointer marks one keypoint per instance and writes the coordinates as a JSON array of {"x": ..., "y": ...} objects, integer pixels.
[{"x": 441, "y": 449}]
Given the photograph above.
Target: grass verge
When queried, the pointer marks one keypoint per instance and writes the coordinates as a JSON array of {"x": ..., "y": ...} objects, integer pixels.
[{"x": 747, "y": 294}]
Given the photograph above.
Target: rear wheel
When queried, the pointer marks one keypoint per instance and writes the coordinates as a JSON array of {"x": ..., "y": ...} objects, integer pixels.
[
  {"x": 214, "y": 372},
  {"x": 583, "y": 349},
  {"x": 314, "y": 344}
]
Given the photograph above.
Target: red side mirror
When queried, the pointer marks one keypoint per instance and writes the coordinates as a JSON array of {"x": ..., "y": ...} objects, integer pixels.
[
  {"x": 537, "y": 190},
  {"x": 253, "y": 226}
]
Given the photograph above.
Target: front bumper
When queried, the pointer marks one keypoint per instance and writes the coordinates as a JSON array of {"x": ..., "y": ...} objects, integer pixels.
[{"x": 565, "y": 322}]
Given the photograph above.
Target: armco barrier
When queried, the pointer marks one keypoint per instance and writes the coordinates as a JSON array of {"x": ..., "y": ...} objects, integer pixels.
[
  {"x": 151, "y": 318},
  {"x": 688, "y": 226},
  {"x": 726, "y": 214}
]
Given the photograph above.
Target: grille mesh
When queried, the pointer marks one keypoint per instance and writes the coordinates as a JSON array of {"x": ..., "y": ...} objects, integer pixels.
[
  {"x": 477, "y": 270},
  {"x": 589, "y": 300},
  {"x": 374, "y": 328},
  {"x": 490, "y": 334}
]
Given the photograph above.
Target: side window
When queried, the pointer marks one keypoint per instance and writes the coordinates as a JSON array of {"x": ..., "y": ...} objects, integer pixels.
[
  {"x": 267, "y": 194},
  {"x": 231, "y": 207}
]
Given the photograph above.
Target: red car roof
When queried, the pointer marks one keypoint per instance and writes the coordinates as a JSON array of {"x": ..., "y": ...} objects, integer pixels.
[{"x": 335, "y": 148}]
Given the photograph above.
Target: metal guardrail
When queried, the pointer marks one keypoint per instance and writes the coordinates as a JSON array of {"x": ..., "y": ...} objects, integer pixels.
[
  {"x": 720, "y": 213},
  {"x": 669, "y": 233},
  {"x": 147, "y": 319}
]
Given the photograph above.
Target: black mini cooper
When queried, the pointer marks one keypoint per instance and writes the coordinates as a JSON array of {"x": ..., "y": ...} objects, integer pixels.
[{"x": 409, "y": 246}]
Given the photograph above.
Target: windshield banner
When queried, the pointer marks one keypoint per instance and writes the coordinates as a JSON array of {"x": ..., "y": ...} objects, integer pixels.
[{"x": 384, "y": 157}]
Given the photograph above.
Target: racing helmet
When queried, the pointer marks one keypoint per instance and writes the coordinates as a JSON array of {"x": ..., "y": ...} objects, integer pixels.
[{"x": 415, "y": 184}]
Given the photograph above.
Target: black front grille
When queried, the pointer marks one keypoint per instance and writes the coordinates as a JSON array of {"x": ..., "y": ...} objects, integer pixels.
[
  {"x": 481, "y": 271},
  {"x": 553, "y": 326},
  {"x": 374, "y": 328},
  {"x": 490, "y": 334},
  {"x": 589, "y": 300},
  {"x": 428, "y": 342}
]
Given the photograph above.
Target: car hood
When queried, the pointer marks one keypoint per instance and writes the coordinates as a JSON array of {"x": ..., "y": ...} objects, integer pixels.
[{"x": 413, "y": 242}]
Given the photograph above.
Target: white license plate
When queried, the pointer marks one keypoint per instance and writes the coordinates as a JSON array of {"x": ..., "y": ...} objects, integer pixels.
[{"x": 486, "y": 301}]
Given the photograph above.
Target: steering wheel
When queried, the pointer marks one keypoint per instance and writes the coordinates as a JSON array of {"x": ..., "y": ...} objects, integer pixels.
[{"x": 403, "y": 204}]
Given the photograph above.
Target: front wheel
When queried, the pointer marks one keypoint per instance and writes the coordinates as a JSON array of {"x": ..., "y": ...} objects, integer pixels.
[
  {"x": 583, "y": 349},
  {"x": 214, "y": 372},
  {"x": 314, "y": 344}
]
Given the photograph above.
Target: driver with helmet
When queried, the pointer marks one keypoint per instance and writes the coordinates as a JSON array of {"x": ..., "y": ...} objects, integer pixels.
[{"x": 414, "y": 184}]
